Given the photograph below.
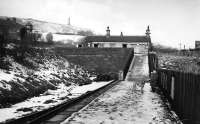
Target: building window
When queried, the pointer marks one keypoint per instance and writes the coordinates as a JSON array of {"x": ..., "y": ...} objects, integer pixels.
[
  {"x": 124, "y": 45},
  {"x": 80, "y": 45},
  {"x": 96, "y": 45}
]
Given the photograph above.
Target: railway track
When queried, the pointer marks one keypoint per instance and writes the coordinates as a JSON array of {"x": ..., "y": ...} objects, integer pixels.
[{"x": 59, "y": 113}]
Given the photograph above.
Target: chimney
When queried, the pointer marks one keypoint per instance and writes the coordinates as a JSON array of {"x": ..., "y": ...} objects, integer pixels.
[
  {"x": 14, "y": 20},
  {"x": 148, "y": 31},
  {"x": 121, "y": 34},
  {"x": 108, "y": 32}
]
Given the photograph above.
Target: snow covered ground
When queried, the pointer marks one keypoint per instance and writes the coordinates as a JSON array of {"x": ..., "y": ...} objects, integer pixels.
[
  {"x": 6, "y": 76},
  {"x": 47, "y": 99},
  {"x": 40, "y": 69},
  {"x": 124, "y": 105}
]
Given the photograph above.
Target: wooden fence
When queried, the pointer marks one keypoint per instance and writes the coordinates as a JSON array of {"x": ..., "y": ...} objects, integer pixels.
[
  {"x": 182, "y": 90},
  {"x": 153, "y": 61}
]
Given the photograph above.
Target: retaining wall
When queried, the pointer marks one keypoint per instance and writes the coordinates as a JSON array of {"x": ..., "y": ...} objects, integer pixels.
[{"x": 100, "y": 60}]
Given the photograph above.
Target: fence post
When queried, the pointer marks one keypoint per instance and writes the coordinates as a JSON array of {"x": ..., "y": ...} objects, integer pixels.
[
  {"x": 121, "y": 75},
  {"x": 172, "y": 88},
  {"x": 196, "y": 112}
]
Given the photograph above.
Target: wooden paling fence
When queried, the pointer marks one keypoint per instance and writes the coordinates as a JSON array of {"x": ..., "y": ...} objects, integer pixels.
[
  {"x": 182, "y": 90},
  {"x": 153, "y": 61}
]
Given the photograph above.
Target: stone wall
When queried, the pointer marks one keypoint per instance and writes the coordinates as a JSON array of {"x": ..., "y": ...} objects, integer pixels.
[{"x": 98, "y": 60}]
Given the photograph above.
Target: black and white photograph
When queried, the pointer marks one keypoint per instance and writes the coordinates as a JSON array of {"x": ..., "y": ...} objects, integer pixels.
[{"x": 99, "y": 61}]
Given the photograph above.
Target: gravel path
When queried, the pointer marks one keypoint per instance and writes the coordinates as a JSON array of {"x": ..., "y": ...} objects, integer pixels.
[{"x": 124, "y": 105}]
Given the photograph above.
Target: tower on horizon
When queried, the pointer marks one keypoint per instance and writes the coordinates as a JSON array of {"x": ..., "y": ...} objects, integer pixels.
[
  {"x": 108, "y": 32},
  {"x": 69, "y": 23},
  {"x": 148, "y": 31}
]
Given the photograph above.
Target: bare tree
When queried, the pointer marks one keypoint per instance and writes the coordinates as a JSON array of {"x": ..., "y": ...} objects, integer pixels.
[{"x": 49, "y": 38}]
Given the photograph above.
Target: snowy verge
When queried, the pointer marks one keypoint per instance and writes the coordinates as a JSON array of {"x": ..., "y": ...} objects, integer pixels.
[
  {"x": 48, "y": 99},
  {"x": 39, "y": 69}
]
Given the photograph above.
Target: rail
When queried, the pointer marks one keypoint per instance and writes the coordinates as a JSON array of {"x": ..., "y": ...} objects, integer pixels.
[{"x": 43, "y": 116}]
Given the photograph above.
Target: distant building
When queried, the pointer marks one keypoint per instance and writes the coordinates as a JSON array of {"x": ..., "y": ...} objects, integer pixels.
[
  {"x": 29, "y": 27},
  {"x": 139, "y": 43},
  {"x": 197, "y": 44},
  {"x": 9, "y": 29}
]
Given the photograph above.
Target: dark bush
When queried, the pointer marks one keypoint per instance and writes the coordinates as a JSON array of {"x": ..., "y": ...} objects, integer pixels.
[
  {"x": 49, "y": 101},
  {"x": 104, "y": 77},
  {"x": 83, "y": 81},
  {"x": 25, "y": 109}
]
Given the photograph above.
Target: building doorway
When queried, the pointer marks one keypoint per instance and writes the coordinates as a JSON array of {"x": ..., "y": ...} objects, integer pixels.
[
  {"x": 96, "y": 45},
  {"x": 80, "y": 45},
  {"x": 124, "y": 45}
]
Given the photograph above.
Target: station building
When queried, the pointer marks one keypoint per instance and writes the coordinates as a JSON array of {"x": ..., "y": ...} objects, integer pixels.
[{"x": 140, "y": 44}]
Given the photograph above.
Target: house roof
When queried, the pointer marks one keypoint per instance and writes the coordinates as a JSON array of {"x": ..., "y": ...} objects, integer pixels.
[{"x": 117, "y": 39}]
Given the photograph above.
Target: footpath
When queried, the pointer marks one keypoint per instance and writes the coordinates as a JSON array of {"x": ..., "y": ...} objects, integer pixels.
[{"x": 124, "y": 105}]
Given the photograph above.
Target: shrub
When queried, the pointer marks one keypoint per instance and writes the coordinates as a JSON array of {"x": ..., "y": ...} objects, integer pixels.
[
  {"x": 103, "y": 77},
  {"x": 25, "y": 109}
]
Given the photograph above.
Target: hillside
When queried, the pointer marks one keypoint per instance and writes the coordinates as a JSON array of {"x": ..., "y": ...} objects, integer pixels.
[
  {"x": 53, "y": 27},
  {"x": 44, "y": 26},
  {"x": 62, "y": 34}
]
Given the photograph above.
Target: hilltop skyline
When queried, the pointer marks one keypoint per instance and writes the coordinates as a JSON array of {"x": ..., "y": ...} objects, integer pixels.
[{"x": 171, "y": 21}]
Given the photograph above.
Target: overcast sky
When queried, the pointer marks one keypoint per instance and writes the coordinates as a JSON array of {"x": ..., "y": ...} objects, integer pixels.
[{"x": 171, "y": 21}]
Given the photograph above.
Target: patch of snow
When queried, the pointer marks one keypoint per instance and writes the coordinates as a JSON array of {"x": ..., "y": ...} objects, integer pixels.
[
  {"x": 5, "y": 86},
  {"x": 93, "y": 77},
  {"x": 89, "y": 87},
  {"x": 16, "y": 68},
  {"x": 66, "y": 64},
  {"x": 5, "y": 76},
  {"x": 10, "y": 46},
  {"x": 65, "y": 39}
]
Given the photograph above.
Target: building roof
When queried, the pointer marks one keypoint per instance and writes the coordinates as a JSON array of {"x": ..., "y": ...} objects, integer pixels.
[{"x": 117, "y": 39}]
